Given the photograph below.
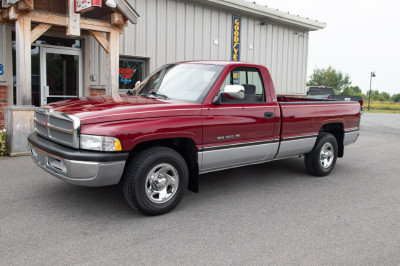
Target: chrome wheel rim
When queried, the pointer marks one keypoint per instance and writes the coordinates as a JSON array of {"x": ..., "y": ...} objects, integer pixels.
[
  {"x": 162, "y": 183},
  {"x": 326, "y": 155}
]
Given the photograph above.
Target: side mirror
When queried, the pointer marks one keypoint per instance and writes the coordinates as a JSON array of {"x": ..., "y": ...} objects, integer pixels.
[
  {"x": 234, "y": 91},
  {"x": 137, "y": 83}
]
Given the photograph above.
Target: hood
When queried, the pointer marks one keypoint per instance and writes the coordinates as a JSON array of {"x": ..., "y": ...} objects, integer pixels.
[{"x": 107, "y": 108}]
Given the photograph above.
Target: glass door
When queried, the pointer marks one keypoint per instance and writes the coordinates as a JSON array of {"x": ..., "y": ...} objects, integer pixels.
[{"x": 61, "y": 74}]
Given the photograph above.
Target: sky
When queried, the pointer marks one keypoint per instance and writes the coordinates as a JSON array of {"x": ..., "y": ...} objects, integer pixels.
[{"x": 360, "y": 37}]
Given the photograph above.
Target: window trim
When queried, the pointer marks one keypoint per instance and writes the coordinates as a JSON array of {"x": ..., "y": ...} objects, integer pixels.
[
  {"x": 144, "y": 60},
  {"x": 246, "y": 69}
]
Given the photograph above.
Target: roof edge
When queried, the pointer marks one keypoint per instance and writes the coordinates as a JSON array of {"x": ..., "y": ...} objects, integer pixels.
[{"x": 271, "y": 14}]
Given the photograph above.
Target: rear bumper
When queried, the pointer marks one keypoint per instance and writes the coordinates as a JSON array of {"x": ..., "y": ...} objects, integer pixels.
[{"x": 84, "y": 168}]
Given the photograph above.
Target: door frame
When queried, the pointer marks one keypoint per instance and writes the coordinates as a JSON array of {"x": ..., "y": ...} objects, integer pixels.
[{"x": 44, "y": 49}]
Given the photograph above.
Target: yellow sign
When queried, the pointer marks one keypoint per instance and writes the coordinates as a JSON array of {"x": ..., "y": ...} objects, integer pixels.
[{"x": 236, "y": 25}]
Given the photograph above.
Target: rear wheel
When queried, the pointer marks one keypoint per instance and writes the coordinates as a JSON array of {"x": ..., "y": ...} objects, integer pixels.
[
  {"x": 321, "y": 160},
  {"x": 155, "y": 180}
]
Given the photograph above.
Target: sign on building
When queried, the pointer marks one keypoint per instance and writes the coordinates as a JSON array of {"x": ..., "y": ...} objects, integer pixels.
[
  {"x": 236, "y": 25},
  {"x": 82, "y": 6}
]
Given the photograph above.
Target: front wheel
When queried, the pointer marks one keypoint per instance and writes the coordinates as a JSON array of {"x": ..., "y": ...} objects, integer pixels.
[
  {"x": 321, "y": 160},
  {"x": 155, "y": 180}
]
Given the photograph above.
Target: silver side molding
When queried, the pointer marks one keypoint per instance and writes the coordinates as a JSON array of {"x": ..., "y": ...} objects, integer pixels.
[
  {"x": 295, "y": 147},
  {"x": 230, "y": 157}
]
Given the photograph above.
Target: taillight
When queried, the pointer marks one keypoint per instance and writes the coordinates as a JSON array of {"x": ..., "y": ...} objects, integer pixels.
[{"x": 362, "y": 102}]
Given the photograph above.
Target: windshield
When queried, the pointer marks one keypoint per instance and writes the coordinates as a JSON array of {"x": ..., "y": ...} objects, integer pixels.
[{"x": 186, "y": 82}]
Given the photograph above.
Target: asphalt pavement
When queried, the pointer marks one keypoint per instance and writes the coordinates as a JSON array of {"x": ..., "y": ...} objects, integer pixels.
[{"x": 274, "y": 213}]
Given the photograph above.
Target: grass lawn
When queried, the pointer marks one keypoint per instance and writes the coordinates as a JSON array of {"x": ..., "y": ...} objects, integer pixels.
[{"x": 382, "y": 107}]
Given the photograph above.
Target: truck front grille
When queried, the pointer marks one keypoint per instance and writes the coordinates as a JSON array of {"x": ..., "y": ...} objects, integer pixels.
[{"x": 57, "y": 126}]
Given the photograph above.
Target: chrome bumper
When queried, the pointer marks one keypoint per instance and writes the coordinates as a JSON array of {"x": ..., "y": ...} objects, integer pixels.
[{"x": 78, "y": 172}]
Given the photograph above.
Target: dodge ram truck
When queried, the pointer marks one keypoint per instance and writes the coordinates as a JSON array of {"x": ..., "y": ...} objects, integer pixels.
[{"x": 183, "y": 120}]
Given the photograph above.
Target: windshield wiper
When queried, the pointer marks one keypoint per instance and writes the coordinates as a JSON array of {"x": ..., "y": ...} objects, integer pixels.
[{"x": 155, "y": 94}]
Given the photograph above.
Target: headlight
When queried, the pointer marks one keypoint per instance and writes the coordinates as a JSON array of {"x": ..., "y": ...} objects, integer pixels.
[{"x": 100, "y": 143}]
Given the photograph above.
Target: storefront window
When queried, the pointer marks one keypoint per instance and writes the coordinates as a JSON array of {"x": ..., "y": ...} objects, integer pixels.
[{"x": 131, "y": 70}]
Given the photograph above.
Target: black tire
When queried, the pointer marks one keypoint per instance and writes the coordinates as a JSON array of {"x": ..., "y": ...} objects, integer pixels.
[
  {"x": 140, "y": 187},
  {"x": 313, "y": 160}
]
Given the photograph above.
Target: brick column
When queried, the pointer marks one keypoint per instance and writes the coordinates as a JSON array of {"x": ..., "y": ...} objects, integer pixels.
[{"x": 3, "y": 103}]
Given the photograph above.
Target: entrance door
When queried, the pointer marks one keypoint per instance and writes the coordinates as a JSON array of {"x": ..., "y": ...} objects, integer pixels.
[{"x": 61, "y": 74}]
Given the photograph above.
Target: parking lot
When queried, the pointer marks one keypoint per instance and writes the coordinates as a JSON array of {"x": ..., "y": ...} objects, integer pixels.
[{"x": 274, "y": 213}]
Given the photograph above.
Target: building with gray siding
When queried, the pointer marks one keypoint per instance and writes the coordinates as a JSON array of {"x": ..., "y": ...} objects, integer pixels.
[{"x": 166, "y": 31}]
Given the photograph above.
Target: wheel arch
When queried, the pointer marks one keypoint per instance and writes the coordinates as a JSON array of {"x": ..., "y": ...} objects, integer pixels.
[
  {"x": 186, "y": 147},
  {"x": 336, "y": 129}
]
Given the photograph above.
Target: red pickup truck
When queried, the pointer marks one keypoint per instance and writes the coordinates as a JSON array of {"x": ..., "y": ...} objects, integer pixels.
[{"x": 183, "y": 120}]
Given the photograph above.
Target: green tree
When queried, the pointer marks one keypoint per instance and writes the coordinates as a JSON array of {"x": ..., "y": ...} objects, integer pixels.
[
  {"x": 352, "y": 91},
  {"x": 329, "y": 77},
  {"x": 396, "y": 97}
]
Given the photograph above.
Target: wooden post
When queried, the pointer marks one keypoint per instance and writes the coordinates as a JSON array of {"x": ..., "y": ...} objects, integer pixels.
[
  {"x": 113, "y": 62},
  {"x": 74, "y": 20},
  {"x": 23, "y": 59}
]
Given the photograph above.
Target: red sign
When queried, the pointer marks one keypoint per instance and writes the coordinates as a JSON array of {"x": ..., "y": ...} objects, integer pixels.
[
  {"x": 82, "y": 6},
  {"x": 126, "y": 74}
]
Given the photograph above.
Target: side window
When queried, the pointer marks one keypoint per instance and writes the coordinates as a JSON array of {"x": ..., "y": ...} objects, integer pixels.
[{"x": 250, "y": 79}]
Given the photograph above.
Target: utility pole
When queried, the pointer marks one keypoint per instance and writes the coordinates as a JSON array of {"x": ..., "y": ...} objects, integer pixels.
[{"x": 370, "y": 87}]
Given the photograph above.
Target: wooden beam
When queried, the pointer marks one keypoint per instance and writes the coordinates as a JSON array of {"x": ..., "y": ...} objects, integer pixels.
[
  {"x": 25, "y": 5},
  {"x": 13, "y": 13},
  {"x": 55, "y": 20},
  {"x": 89, "y": 24},
  {"x": 112, "y": 63},
  {"x": 39, "y": 30},
  {"x": 60, "y": 20},
  {"x": 74, "y": 21},
  {"x": 23, "y": 59},
  {"x": 101, "y": 39},
  {"x": 117, "y": 19}
]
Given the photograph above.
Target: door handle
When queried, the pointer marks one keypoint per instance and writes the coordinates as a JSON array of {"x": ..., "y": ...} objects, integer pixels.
[{"x": 268, "y": 114}]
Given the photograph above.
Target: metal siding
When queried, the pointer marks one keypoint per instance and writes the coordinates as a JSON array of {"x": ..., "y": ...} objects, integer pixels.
[
  {"x": 228, "y": 36},
  {"x": 289, "y": 69},
  {"x": 295, "y": 60},
  {"x": 223, "y": 42},
  {"x": 257, "y": 40},
  {"x": 274, "y": 65},
  {"x": 285, "y": 49},
  {"x": 198, "y": 33},
  {"x": 172, "y": 30},
  {"x": 141, "y": 30},
  {"x": 303, "y": 87},
  {"x": 207, "y": 41},
  {"x": 250, "y": 38},
  {"x": 299, "y": 65},
  {"x": 189, "y": 33},
  {"x": 244, "y": 41},
  {"x": 180, "y": 31},
  {"x": 161, "y": 32},
  {"x": 269, "y": 47},
  {"x": 152, "y": 39},
  {"x": 214, "y": 34},
  {"x": 279, "y": 60},
  {"x": 263, "y": 45}
]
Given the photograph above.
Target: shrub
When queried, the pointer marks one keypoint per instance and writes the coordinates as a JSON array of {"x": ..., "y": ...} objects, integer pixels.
[{"x": 3, "y": 136}]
